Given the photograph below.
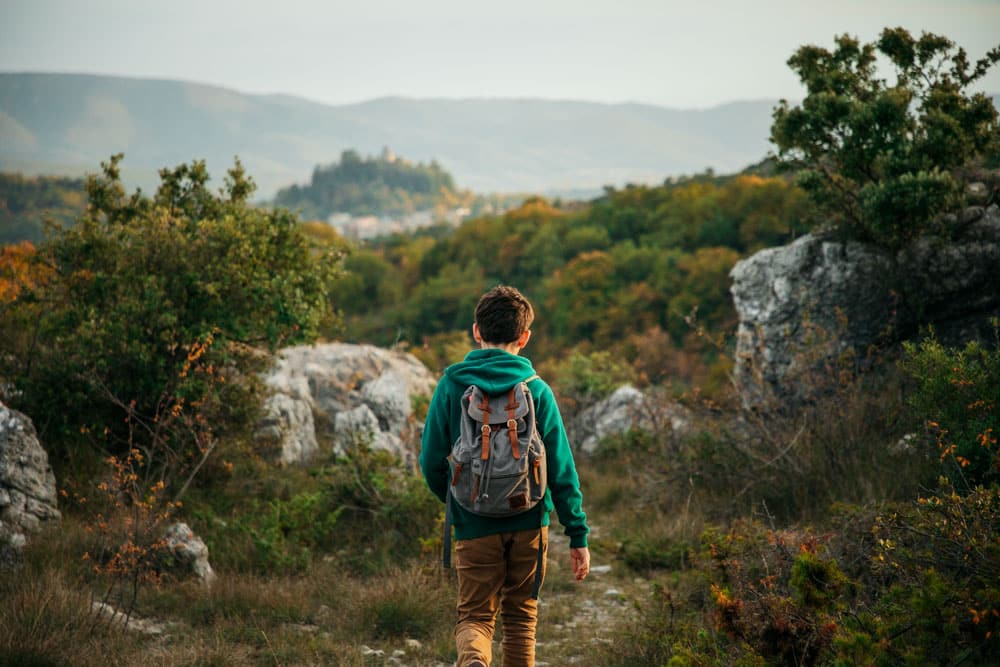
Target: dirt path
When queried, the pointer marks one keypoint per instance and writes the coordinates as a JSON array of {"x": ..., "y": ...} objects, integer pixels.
[{"x": 573, "y": 616}]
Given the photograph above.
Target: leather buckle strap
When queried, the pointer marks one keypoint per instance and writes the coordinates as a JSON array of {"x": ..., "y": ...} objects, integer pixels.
[
  {"x": 485, "y": 407},
  {"x": 512, "y": 424}
]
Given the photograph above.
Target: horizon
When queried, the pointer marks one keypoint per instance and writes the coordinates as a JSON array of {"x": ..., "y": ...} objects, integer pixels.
[
  {"x": 665, "y": 54},
  {"x": 390, "y": 97}
]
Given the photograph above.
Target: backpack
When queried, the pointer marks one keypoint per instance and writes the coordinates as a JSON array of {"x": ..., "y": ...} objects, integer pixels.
[{"x": 497, "y": 464}]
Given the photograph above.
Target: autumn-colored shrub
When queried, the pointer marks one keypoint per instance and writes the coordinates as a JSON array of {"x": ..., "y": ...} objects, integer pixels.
[{"x": 956, "y": 401}]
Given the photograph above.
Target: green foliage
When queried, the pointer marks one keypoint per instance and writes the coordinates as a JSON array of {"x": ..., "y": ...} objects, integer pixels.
[
  {"x": 876, "y": 156},
  {"x": 26, "y": 204},
  {"x": 369, "y": 186},
  {"x": 955, "y": 399},
  {"x": 940, "y": 591},
  {"x": 152, "y": 304},
  {"x": 366, "y": 510},
  {"x": 815, "y": 582},
  {"x": 585, "y": 378},
  {"x": 613, "y": 275}
]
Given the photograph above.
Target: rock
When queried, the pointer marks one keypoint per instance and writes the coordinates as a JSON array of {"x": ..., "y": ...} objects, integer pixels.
[
  {"x": 360, "y": 427},
  {"x": 802, "y": 305},
  {"x": 319, "y": 392},
  {"x": 27, "y": 485},
  {"x": 190, "y": 551},
  {"x": 625, "y": 409},
  {"x": 288, "y": 425},
  {"x": 116, "y": 617}
]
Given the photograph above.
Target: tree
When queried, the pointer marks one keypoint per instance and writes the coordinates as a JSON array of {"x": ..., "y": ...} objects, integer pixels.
[
  {"x": 159, "y": 302},
  {"x": 878, "y": 157}
]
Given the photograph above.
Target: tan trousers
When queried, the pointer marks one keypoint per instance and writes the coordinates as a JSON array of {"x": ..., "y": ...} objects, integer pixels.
[{"x": 497, "y": 572}]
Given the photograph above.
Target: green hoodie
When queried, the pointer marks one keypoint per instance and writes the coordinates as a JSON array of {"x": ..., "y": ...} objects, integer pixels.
[{"x": 495, "y": 371}]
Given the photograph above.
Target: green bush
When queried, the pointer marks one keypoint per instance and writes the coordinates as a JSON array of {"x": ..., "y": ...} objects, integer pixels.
[
  {"x": 955, "y": 400},
  {"x": 878, "y": 155},
  {"x": 582, "y": 378},
  {"x": 152, "y": 309},
  {"x": 365, "y": 510},
  {"x": 938, "y": 601}
]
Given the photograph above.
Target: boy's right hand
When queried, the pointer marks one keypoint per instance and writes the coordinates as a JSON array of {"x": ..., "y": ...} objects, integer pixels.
[{"x": 580, "y": 558}]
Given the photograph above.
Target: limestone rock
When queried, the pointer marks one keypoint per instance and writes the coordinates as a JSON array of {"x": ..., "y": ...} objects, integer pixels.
[
  {"x": 335, "y": 381},
  {"x": 190, "y": 551},
  {"x": 803, "y": 304},
  {"x": 288, "y": 425},
  {"x": 625, "y": 409},
  {"x": 27, "y": 485},
  {"x": 360, "y": 427}
]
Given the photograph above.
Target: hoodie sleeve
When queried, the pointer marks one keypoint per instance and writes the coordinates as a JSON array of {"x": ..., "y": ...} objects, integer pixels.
[
  {"x": 435, "y": 442},
  {"x": 564, "y": 483}
]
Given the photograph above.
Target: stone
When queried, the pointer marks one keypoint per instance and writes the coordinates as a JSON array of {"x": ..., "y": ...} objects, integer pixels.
[
  {"x": 28, "y": 497},
  {"x": 625, "y": 409},
  {"x": 802, "y": 306},
  {"x": 332, "y": 382},
  {"x": 190, "y": 551},
  {"x": 116, "y": 617},
  {"x": 287, "y": 424},
  {"x": 360, "y": 427}
]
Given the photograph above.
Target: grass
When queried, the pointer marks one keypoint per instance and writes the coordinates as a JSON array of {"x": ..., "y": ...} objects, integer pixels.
[
  {"x": 322, "y": 616},
  {"x": 654, "y": 504}
]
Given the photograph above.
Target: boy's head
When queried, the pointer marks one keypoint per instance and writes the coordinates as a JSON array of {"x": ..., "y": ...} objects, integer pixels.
[{"x": 503, "y": 315}]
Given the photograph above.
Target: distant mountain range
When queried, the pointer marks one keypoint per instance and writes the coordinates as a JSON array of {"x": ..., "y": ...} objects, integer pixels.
[{"x": 67, "y": 123}]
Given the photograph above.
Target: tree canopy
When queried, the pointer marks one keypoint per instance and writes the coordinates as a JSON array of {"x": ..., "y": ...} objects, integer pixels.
[
  {"x": 878, "y": 156},
  {"x": 156, "y": 301},
  {"x": 382, "y": 185},
  {"x": 625, "y": 272},
  {"x": 26, "y": 203}
]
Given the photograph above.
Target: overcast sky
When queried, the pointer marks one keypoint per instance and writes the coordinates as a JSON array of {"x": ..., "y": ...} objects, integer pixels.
[{"x": 692, "y": 53}]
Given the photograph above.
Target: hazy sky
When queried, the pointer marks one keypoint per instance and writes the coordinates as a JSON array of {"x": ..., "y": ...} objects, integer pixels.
[{"x": 690, "y": 53}]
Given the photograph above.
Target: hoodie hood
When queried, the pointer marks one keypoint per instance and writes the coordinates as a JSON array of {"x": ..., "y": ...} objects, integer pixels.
[{"x": 491, "y": 369}]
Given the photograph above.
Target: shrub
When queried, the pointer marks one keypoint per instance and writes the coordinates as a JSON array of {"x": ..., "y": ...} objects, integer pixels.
[
  {"x": 955, "y": 399},
  {"x": 366, "y": 510},
  {"x": 939, "y": 599},
  {"x": 141, "y": 288},
  {"x": 877, "y": 157},
  {"x": 582, "y": 378}
]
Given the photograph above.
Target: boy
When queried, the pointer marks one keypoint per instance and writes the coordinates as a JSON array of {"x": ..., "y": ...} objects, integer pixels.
[{"x": 497, "y": 558}]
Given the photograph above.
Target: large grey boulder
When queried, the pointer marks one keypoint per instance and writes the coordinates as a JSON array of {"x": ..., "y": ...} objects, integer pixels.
[
  {"x": 342, "y": 394},
  {"x": 28, "y": 496},
  {"x": 625, "y": 409},
  {"x": 288, "y": 424},
  {"x": 804, "y": 305}
]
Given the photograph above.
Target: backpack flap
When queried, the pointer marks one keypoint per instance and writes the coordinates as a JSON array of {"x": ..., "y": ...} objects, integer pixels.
[{"x": 497, "y": 406}]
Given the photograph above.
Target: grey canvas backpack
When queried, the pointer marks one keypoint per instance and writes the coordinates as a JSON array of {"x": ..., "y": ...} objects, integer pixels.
[{"x": 497, "y": 463}]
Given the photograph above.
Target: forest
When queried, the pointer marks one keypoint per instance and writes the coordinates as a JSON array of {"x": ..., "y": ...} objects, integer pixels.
[
  {"x": 858, "y": 527},
  {"x": 27, "y": 203},
  {"x": 370, "y": 186}
]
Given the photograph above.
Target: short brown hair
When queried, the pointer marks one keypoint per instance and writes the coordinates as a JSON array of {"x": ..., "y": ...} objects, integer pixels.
[{"x": 503, "y": 314}]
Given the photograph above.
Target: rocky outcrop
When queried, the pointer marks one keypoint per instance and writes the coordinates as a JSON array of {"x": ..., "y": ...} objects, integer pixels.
[
  {"x": 807, "y": 303},
  {"x": 189, "y": 552},
  {"x": 625, "y": 409},
  {"x": 344, "y": 395},
  {"x": 27, "y": 484}
]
